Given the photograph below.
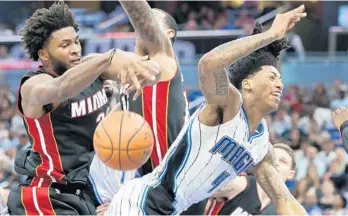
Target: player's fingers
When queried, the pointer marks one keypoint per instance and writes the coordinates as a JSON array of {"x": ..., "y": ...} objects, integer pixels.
[
  {"x": 144, "y": 58},
  {"x": 132, "y": 88},
  {"x": 137, "y": 93},
  {"x": 299, "y": 9},
  {"x": 124, "y": 75},
  {"x": 146, "y": 71},
  {"x": 302, "y": 15},
  {"x": 134, "y": 78}
]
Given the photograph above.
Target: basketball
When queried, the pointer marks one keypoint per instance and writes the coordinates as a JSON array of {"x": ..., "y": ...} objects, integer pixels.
[{"x": 123, "y": 140}]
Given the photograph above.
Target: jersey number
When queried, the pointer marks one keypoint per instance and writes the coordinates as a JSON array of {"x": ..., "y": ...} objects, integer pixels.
[
  {"x": 100, "y": 117},
  {"x": 217, "y": 182}
]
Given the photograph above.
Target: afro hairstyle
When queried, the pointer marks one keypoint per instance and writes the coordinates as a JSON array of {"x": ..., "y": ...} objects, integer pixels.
[
  {"x": 39, "y": 27},
  {"x": 249, "y": 65}
]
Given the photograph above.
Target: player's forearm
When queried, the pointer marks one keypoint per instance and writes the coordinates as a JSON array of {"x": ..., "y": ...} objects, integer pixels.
[
  {"x": 289, "y": 207},
  {"x": 144, "y": 23},
  {"x": 344, "y": 134},
  {"x": 72, "y": 82},
  {"x": 228, "y": 53}
]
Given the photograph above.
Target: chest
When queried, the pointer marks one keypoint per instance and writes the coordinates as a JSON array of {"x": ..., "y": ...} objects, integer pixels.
[{"x": 90, "y": 106}]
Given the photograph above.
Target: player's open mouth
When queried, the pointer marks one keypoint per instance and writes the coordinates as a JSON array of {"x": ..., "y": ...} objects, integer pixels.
[
  {"x": 76, "y": 61},
  {"x": 277, "y": 94}
]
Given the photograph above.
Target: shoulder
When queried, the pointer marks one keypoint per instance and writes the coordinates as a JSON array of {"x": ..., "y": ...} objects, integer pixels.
[{"x": 31, "y": 81}]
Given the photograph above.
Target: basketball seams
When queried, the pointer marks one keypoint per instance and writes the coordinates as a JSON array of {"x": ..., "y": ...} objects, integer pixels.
[
  {"x": 112, "y": 144},
  {"x": 130, "y": 140},
  {"x": 131, "y": 150},
  {"x": 119, "y": 141}
]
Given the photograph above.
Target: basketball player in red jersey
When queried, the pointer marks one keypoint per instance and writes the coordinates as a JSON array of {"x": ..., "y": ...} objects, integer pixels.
[
  {"x": 162, "y": 105},
  {"x": 62, "y": 103}
]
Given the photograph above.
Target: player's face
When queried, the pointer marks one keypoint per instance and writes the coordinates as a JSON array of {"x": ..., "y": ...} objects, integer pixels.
[
  {"x": 284, "y": 163},
  {"x": 267, "y": 88},
  {"x": 63, "y": 50}
]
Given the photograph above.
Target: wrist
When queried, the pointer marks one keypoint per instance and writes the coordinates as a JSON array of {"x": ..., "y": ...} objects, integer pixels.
[
  {"x": 111, "y": 55},
  {"x": 273, "y": 35}
]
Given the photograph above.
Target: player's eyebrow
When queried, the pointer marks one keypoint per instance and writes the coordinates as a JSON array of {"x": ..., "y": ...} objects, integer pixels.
[{"x": 276, "y": 74}]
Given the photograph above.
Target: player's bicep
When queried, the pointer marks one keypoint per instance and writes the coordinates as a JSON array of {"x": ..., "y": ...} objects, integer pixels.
[
  {"x": 216, "y": 87},
  {"x": 41, "y": 90},
  {"x": 167, "y": 64}
]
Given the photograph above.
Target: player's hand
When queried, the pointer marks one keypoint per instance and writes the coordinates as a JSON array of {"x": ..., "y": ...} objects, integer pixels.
[
  {"x": 102, "y": 209},
  {"x": 145, "y": 82},
  {"x": 132, "y": 66},
  {"x": 286, "y": 21},
  {"x": 339, "y": 116}
]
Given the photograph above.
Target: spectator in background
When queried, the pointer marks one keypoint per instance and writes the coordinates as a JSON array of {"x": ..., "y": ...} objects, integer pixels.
[
  {"x": 293, "y": 98},
  {"x": 326, "y": 156},
  {"x": 4, "y": 52},
  {"x": 311, "y": 203},
  {"x": 305, "y": 162},
  {"x": 320, "y": 97},
  {"x": 336, "y": 88},
  {"x": 338, "y": 205},
  {"x": 244, "y": 21},
  {"x": 340, "y": 101},
  {"x": 327, "y": 195},
  {"x": 180, "y": 15},
  {"x": 281, "y": 123}
]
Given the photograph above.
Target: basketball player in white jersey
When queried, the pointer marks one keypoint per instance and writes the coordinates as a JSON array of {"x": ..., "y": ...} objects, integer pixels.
[{"x": 226, "y": 136}]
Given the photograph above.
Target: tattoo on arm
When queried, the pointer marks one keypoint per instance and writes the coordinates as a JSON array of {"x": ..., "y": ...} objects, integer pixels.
[
  {"x": 270, "y": 180},
  {"x": 221, "y": 82},
  {"x": 228, "y": 53},
  {"x": 144, "y": 22}
]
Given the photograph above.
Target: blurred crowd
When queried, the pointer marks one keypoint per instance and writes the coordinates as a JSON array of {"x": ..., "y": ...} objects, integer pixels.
[
  {"x": 304, "y": 122},
  {"x": 222, "y": 15}
]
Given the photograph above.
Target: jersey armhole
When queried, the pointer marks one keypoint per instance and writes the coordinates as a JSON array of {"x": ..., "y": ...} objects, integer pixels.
[{"x": 48, "y": 108}]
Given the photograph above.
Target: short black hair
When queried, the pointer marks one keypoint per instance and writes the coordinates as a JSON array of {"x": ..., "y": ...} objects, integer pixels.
[
  {"x": 169, "y": 22},
  {"x": 252, "y": 63},
  {"x": 39, "y": 27}
]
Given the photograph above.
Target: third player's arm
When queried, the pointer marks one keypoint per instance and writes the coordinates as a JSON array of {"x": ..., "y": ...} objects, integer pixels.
[
  {"x": 146, "y": 26},
  {"x": 213, "y": 77},
  {"x": 154, "y": 41},
  {"x": 271, "y": 182}
]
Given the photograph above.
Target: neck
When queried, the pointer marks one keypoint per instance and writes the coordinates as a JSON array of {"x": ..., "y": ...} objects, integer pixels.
[
  {"x": 49, "y": 69},
  {"x": 254, "y": 114}
]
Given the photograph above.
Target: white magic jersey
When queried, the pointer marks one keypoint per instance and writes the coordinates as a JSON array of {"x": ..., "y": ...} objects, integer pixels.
[
  {"x": 107, "y": 181},
  {"x": 201, "y": 160}
]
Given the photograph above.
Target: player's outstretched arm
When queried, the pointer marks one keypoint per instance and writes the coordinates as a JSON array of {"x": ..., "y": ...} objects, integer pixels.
[
  {"x": 154, "y": 41},
  {"x": 44, "y": 89},
  {"x": 271, "y": 182},
  {"x": 226, "y": 54},
  {"x": 340, "y": 118},
  {"x": 146, "y": 26}
]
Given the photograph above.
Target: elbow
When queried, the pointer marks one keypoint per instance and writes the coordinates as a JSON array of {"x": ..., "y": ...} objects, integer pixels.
[{"x": 203, "y": 64}]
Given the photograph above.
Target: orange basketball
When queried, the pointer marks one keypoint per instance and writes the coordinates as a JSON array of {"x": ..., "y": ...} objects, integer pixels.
[{"x": 123, "y": 140}]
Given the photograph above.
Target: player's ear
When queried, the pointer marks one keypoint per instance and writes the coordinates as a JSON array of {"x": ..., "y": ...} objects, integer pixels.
[
  {"x": 43, "y": 55},
  {"x": 246, "y": 85},
  {"x": 170, "y": 33}
]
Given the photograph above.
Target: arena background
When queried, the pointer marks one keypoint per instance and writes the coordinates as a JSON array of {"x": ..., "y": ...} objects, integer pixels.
[{"x": 315, "y": 74}]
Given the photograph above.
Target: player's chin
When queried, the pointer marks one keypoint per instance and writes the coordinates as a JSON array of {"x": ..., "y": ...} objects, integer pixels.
[{"x": 273, "y": 105}]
